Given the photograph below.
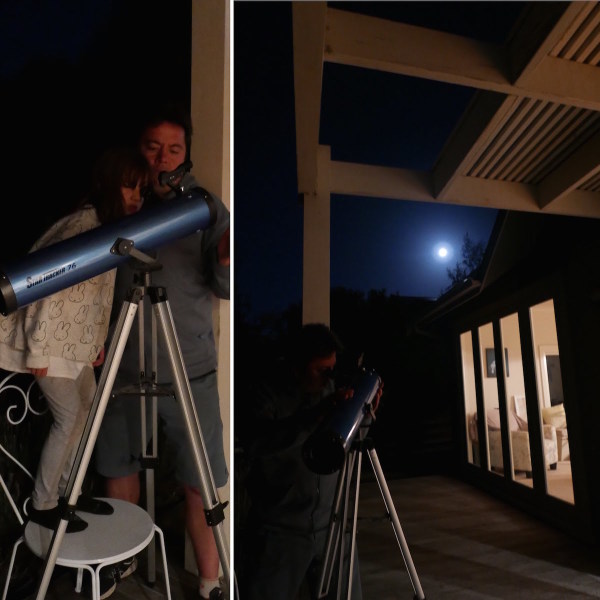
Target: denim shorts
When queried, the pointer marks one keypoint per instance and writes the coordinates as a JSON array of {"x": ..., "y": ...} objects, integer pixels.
[{"x": 119, "y": 443}]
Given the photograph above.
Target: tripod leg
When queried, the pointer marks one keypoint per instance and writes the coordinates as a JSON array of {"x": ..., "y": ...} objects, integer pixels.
[
  {"x": 341, "y": 555},
  {"x": 336, "y": 538},
  {"x": 90, "y": 433},
  {"x": 149, "y": 460},
  {"x": 213, "y": 508},
  {"x": 150, "y": 494},
  {"x": 333, "y": 533},
  {"x": 353, "y": 533},
  {"x": 387, "y": 498}
]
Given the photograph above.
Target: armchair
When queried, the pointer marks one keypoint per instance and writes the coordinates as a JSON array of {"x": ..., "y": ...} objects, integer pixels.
[
  {"x": 519, "y": 434},
  {"x": 521, "y": 450},
  {"x": 555, "y": 415}
]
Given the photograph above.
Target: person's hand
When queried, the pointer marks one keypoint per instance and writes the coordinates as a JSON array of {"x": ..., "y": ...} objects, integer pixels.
[
  {"x": 342, "y": 395},
  {"x": 375, "y": 402},
  {"x": 39, "y": 372},
  {"x": 331, "y": 401},
  {"x": 223, "y": 249},
  {"x": 100, "y": 358}
]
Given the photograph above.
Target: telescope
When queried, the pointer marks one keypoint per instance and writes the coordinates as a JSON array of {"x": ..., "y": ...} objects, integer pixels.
[
  {"x": 325, "y": 449},
  {"x": 71, "y": 261}
]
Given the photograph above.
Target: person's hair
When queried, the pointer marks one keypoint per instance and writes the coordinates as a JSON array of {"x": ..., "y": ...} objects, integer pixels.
[
  {"x": 115, "y": 168},
  {"x": 314, "y": 340},
  {"x": 169, "y": 112}
]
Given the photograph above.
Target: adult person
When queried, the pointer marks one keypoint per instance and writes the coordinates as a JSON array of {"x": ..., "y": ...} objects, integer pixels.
[
  {"x": 290, "y": 505},
  {"x": 194, "y": 270},
  {"x": 60, "y": 338}
]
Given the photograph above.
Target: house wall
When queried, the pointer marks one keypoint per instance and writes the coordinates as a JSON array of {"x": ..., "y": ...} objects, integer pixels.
[
  {"x": 468, "y": 378},
  {"x": 581, "y": 378},
  {"x": 210, "y": 94}
]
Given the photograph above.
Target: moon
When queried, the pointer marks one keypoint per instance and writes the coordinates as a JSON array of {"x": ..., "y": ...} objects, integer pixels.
[{"x": 443, "y": 252}]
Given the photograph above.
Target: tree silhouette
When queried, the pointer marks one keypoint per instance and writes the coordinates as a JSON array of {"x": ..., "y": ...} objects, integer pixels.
[{"x": 471, "y": 257}]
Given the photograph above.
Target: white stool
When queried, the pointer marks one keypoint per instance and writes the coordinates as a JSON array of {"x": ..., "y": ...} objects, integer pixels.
[{"x": 107, "y": 540}]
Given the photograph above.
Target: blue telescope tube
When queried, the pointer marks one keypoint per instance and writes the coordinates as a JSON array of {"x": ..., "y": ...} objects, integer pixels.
[
  {"x": 325, "y": 450},
  {"x": 71, "y": 261}
]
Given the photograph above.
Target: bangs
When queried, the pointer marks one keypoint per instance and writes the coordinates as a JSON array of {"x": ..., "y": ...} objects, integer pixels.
[{"x": 134, "y": 173}]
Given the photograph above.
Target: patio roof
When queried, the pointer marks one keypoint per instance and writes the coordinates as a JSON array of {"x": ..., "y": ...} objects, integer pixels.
[{"x": 528, "y": 138}]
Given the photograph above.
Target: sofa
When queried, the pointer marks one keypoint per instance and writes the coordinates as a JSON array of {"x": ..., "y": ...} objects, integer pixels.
[{"x": 519, "y": 435}]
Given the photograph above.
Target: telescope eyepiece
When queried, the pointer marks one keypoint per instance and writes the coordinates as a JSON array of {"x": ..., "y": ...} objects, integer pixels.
[{"x": 168, "y": 177}]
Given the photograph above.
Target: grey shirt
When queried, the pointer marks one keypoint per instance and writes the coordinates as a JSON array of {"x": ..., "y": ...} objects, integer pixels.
[{"x": 192, "y": 276}]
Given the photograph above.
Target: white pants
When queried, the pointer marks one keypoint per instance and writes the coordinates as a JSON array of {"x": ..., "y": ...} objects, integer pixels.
[{"x": 69, "y": 402}]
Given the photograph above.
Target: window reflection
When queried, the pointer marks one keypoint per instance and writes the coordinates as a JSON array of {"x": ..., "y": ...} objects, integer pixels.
[
  {"x": 470, "y": 399},
  {"x": 516, "y": 404},
  {"x": 551, "y": 409},
  {"x": 548, "y": 406},
  {"x": 490, "y": 398}
]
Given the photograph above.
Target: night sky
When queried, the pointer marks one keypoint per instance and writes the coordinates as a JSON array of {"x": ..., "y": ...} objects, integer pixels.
[
  {"x": 376, "y": 118},
  {"x": 73, "y": 77}
]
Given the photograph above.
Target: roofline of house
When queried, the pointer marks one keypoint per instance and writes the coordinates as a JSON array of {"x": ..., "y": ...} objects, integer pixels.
[{"x": 471, "y": 286}]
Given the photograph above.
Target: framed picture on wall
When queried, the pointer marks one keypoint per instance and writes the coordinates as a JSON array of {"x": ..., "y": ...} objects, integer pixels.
[{"x": 490, "y": 362}]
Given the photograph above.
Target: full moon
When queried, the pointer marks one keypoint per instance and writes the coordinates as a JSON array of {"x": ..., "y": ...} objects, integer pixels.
[{"x": 443, "y": 252}]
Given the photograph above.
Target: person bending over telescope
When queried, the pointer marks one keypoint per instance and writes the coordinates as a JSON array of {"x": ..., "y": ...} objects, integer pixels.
[
  {"x": 291, "y": 504},
  {"x": 60, "y": 338}
]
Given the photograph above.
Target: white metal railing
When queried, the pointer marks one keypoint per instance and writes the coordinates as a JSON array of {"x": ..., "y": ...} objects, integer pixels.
[{"x": 16, "y": 414}]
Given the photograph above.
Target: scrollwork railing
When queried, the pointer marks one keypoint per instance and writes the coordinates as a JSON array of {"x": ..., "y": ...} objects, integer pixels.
[
  {"x": 19, "y": 397},
  {"x": 25, "y": 394}
]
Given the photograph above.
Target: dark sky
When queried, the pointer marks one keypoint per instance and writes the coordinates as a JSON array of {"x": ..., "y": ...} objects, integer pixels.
[
  {"x": 73, "y": 77},
  {"x": 375, "y": 118}
]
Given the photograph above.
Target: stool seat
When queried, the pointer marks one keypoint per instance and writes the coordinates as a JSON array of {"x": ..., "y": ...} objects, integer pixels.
[{"x": 106, "y": 539}]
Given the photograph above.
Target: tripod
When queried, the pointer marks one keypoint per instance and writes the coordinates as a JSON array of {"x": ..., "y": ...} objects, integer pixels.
[
  {"x": 336, "y": 538},
  {"x": 147, "y": 387},
  {"x": 162, "y": 313}
]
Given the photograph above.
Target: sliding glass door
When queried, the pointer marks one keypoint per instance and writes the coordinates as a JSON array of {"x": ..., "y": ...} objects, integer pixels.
[{"x": 547, "y": 407}]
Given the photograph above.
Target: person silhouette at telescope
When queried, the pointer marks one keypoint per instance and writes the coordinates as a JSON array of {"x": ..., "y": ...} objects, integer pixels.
[
  {"x": 195, "y": 270},
  {"x": 60, "y": 338},
  {"x": 290, "y": 505}
]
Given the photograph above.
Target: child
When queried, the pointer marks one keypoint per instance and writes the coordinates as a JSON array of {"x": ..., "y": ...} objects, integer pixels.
[{"x": 60, "y": 339}]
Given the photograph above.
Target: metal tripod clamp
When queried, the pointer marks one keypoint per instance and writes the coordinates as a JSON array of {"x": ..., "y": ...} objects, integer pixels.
[{"x": 216, "y": 514}]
